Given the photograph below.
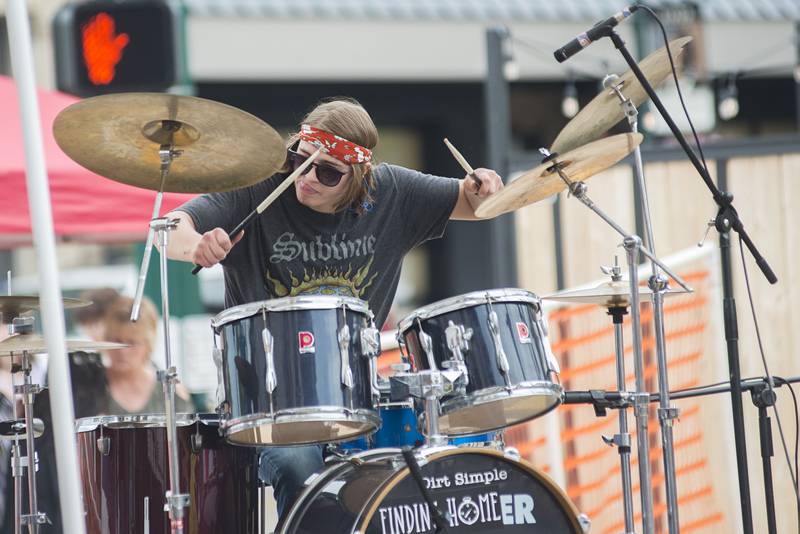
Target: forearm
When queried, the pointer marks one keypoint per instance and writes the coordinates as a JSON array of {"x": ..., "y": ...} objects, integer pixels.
[{"x": 183, "y": 239}]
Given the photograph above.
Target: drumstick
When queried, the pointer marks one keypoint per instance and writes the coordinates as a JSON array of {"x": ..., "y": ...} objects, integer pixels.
[
  {"x": 269, "y": 200},
  {"x": 463, "y": 162}
]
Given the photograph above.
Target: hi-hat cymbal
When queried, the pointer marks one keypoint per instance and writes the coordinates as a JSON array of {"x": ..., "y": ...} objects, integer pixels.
[
  {"x": 613, "y": 294},
  {"x": 35, "y": 344},
  {"x": 119, "y": 135},
  {"x": 604, "y": 111},
  {"x": 14, "y": 428},
  {"x": 543, "y": 181},
  {"x": 13, "y": 304}
]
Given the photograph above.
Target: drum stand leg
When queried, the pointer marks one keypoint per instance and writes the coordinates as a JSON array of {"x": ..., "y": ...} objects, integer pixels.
[{"x": 622, "y": 440}]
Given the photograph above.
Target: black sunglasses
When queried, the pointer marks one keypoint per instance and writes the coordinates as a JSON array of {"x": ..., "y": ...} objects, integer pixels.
[{"x": 326, "y": 174}]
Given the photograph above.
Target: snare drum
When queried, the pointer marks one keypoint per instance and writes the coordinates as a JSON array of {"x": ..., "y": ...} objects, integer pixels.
[
  {"x": 480, "y": 490},
  {"x": 499, "y": 337},
  {"x": 297, "y": 370},
  {"x": 123, "y": 462}
]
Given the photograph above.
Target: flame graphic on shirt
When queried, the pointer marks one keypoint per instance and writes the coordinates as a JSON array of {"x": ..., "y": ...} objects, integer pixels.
[
  {"x": 326, "y": 281},
  {"x": 102, "y": 48}
]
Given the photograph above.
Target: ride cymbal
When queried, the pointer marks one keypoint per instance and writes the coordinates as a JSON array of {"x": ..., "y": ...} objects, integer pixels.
[
  {"x": 119, "y": 135},
  {"x": 614, "y": 294},
  {"x": 604, "y": 111},
  {"x": 543, "y": 181},
  {"x": 35, "y": 344}
]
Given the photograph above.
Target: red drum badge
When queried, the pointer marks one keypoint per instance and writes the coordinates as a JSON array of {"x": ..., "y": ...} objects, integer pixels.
[
  {"x": 306, "y": 342},
  {"x": 523, "y": 333}
]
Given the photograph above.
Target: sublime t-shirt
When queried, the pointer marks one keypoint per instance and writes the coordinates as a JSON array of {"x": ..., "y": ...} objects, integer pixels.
[{"x": 293, "y": 250}]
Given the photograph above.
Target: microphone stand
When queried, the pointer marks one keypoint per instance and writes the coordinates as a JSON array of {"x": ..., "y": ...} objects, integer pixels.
[{"x": 727, "y": 219}]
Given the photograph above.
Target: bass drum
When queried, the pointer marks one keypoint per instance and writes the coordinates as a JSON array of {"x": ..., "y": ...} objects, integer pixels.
[{"x": 480, "y": 490}]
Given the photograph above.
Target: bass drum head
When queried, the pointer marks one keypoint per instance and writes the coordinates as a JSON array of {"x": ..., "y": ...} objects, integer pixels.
[{"x": 479, "y": 490}]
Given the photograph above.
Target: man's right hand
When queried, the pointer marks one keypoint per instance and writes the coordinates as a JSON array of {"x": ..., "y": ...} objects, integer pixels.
[{"x": 213, "y": 247}]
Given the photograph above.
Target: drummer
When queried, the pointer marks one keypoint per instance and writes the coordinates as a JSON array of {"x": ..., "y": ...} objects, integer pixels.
[{"x": 343, "y": 230}]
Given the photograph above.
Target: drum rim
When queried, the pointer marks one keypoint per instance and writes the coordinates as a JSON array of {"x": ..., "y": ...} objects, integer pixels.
[
  {"x": 301, "y": 302},
  {"x": 300, "y": 415},
  {"x": 468, "y": 300},
  {"x": 399, "y": 475},
  {"x": 519, "y": 390},
  {"x": 147, "y": 420}
]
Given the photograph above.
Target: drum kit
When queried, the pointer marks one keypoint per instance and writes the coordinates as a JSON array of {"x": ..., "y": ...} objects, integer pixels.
[{"x": 421, "y": 451}]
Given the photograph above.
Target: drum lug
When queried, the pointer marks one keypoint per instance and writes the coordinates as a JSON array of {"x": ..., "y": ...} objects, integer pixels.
[
  {"x": 370, "y": 341},
  {"x": 196, "y": 441},
  {"x": 512, "y": 453},
  {"x": 458, "y": 339},
  {"x": 585, "y": 523},
  {"x": 344, "y": 352},
  {"x": 427, "y": 346},
  {"x": 269, "y": 346},
  {"x": 216, "y": 355},
  {"x": 502, "y": 359},
  {"x": 104, "y": 445}
]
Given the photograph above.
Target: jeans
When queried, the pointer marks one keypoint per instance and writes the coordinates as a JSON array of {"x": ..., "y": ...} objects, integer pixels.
[{"x": 286, "y": 469}]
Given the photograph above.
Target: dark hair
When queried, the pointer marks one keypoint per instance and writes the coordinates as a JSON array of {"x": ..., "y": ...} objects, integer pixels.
[
  {"x": 345, "y": 117},
  {"x": 101, "y": 299}
]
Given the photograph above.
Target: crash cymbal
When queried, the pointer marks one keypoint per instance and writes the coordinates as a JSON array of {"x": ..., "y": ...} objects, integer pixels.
[
  {"x": 604, "y": 111},
  {"x": 543, "y": 181},
  {"x": 10, "y": 305},
  {"x": 608, "y": 294},
  {"x": 35, "y": 344},
  {"x": 118, "y": 136}
]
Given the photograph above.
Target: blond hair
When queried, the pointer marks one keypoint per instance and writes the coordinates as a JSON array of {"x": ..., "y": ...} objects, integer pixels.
[
  {"x": 346, "y": 118},
  {"x": 120, "y": 328}
]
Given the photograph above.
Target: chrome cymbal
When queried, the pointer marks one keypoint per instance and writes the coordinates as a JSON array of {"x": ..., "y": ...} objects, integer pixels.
[
  {"x": 612, "y": 294},
  {"x": 543, "y": 181},
  {"x": 604, "y": 111},
  {"x": 119, "y": 135},
  {"x": 35, "y": 344}
]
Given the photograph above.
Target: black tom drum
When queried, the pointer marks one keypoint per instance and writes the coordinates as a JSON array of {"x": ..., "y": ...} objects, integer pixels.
[
  {"x": 500, "y": 338},
  {"x": 296, "y": 370}
]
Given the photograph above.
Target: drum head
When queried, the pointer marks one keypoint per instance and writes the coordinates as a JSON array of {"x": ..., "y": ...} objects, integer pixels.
[
  {"x": 302, "y": 429},
  {"x": 486, "y": 411},
  {"x": 479, "y": 490}
]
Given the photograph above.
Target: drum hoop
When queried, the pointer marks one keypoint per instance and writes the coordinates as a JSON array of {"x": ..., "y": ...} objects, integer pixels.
[
  {"x": 545, "y": 479},
  {"x": 306, "y": 302},
  {"x": 468, "y": 300},
  {"x": 150, "y": 420}
]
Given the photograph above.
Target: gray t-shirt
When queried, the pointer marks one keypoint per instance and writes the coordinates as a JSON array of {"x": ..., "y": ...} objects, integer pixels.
[{"x": 291, "y": 249}]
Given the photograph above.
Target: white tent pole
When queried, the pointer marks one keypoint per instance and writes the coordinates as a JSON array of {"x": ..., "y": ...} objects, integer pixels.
[{"x": 52, "y": 312}]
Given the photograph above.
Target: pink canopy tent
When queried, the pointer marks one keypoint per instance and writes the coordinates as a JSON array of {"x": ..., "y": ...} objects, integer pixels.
[{"x": 86, "y": 207}]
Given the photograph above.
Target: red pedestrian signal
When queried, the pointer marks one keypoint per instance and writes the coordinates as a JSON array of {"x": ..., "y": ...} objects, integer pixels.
[{"x": 105, "y": 46}]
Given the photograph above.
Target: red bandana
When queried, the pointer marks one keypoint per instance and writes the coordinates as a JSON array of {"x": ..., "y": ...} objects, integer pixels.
[{"x": 338, "y": 147}]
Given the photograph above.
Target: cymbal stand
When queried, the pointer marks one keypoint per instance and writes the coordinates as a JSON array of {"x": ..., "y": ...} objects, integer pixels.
[
  {"x": 658, "y": 285},
  {"x": 166, "y": 154},
  {"x": 622, "y": 441},
  {"x": 160, "y": 228},
  {"x": 633, "y": 245},
  {"x": 27, "y": 391}
]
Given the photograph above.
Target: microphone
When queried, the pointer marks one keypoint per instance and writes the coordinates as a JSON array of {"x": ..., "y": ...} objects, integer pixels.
[{"x": 592, "y": 34}]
